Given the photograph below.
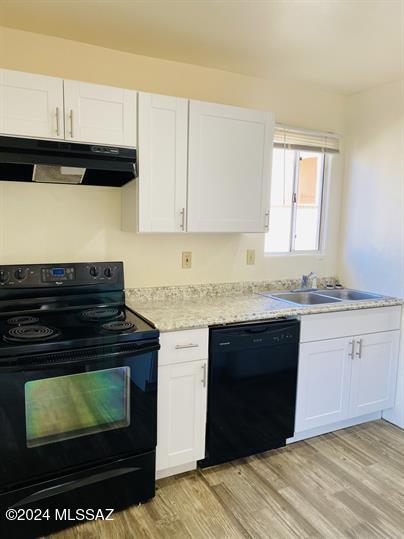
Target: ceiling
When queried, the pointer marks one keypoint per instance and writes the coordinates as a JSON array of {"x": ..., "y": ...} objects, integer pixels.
[{"x": 341, "y": 45}]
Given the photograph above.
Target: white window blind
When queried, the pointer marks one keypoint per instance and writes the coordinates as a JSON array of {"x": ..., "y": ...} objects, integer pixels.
[{"x": 304, "y": 140}]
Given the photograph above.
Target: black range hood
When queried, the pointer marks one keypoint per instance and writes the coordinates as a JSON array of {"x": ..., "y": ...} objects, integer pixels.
[{"x": 50, "y": 161}]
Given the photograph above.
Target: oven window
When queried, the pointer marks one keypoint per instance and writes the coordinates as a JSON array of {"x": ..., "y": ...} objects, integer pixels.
[{"x": 76, "y": 405}]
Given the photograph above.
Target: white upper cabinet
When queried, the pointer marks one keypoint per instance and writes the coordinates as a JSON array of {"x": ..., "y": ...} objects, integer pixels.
[
  {"x": 230, "y": 150},
  {"x": 99, "y": 114},
  {"x": 31, "y": 105},
  {"x": 162, "y": 150},
  {"x": 374, "y": 372}
]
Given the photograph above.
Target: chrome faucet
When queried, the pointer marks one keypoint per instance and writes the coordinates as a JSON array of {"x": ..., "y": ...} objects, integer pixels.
[{"x": 309, "y": 282}]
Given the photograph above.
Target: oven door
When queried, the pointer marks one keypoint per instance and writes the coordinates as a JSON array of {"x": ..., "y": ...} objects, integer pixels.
[{"x": 65, "y": 411}]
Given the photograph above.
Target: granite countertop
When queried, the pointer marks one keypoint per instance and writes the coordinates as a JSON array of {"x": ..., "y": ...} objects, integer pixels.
[{"x": 176, "y": 312}]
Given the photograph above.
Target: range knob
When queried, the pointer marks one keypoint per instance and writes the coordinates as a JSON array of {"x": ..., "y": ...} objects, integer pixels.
[
  {"x": 4, "y": 275},
  {"x": 20, "y": 274},
  {"x": 108, "y": 272},
  {"x": 94, "y": 271}
]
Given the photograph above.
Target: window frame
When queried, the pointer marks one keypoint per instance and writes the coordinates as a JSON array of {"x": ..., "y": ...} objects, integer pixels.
[{"x": 324, "y": 210}]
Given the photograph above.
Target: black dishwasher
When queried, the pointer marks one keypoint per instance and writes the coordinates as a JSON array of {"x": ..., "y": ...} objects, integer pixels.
[{"x": 252, "y": 388}]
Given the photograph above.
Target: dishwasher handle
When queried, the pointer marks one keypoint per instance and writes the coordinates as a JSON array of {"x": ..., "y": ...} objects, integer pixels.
[{"x": 258, "y": 329}]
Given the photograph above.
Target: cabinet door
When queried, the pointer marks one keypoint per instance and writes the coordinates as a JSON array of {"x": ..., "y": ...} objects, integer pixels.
[
  {"x": 163, "y": 130},
  {"x": 230, "y": 153},
  {"x": 323, "y": 383},
  {"x": 99, "y": 114},
  {"x": 374, "y": 372},
  {"x": 31, "y": 105},
  {"x": 181, "y": 420}
]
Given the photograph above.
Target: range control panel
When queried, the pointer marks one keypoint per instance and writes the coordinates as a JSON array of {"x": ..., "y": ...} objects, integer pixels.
[{"x": 56, "y": 275}]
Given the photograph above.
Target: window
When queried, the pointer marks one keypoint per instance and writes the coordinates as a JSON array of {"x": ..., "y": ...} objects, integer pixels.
[{"x": 297, "y": 187}]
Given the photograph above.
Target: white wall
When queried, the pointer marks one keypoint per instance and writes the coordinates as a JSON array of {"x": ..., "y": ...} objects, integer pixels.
[
  {"x": 50, "y": 223},
  {"x": 372, "y": 221}
]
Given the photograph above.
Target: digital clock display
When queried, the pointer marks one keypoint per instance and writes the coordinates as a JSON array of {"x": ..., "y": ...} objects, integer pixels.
[{"x": 59, "y": 275}]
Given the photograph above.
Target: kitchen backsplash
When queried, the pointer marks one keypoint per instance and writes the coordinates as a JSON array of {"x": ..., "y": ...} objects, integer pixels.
[{"x": 161, "y": 293}]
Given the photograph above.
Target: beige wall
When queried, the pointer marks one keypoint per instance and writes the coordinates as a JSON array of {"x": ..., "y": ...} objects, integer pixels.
[
  {"x": 372, "y": 217},
  {"x": 60, "y": 223},
  {"x": 372, "y": 246}
]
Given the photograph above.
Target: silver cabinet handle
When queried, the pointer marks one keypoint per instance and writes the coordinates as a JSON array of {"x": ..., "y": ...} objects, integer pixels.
[
  {"x": 190, "y": 345},
  {"x": 71, "y": 122},
  {"x": 358, "y": 353},
  {"x": 267, "y": 220},
  {"x": 204, "y": 372},
  {"x": 182, "y": 225},
  {"x": 352, "y": 345},
  {"x": 57, "y": 122}
]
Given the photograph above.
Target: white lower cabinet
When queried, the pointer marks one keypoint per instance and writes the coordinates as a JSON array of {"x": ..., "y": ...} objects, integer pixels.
[
  {"x": 344, "y": 378},
  {"x": 374, "y": 373},
  {"x": 182, "y": 401},
  {"x": 323, "y": 383}
]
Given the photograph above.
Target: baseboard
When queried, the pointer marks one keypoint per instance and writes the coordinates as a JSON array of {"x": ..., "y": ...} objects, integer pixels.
[
  {"x": 175, "y": 470},
  {"x": 334, "y": 426},
  {"x": 395, "y": 416}
]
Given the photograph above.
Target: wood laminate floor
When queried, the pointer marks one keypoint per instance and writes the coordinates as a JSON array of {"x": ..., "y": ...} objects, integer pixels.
[{"x": 345, "y": 484}]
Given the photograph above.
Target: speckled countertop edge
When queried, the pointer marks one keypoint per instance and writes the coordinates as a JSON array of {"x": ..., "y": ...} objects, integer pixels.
[{"x": 202, "y": 311}]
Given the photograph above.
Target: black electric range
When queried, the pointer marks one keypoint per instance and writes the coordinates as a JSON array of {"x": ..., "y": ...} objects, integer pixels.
[{"x": 78, "y": 395}]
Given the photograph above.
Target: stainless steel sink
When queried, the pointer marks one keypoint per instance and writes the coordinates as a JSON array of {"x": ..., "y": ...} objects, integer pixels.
[
  {"x": 348, "y": 295},
  {"x": 304, "y": 298},
  {"x": 319, "y": 297}
]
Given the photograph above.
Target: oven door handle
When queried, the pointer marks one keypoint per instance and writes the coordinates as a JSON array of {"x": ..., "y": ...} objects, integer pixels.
[{"x": 58, "y": 359}]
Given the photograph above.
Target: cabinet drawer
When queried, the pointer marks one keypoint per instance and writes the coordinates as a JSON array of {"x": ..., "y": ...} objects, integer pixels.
[
  {"x": 318, "y": 327},
  {"x": 180, "y": 346}
]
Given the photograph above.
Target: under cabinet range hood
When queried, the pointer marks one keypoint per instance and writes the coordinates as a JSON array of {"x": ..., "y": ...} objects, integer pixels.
[{"x": 49, "y": 161}]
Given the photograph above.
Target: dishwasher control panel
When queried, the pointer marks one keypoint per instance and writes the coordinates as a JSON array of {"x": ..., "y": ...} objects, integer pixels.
[{"x": 240, "y": 336}]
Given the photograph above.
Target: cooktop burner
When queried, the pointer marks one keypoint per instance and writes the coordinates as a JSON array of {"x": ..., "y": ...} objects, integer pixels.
[
  {"x": 101, "y": 314},
  {"x": 22, "y": 320},
  {"x": 30, "y": 333},
  {"x": 119, "y": 326}
]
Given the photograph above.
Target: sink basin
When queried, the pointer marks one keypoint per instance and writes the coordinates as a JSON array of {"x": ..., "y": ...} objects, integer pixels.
[
  {"x": 348, "y": 295},
  {"x": 304, "y": 298},
  {"x": 322, "y": 296}
]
